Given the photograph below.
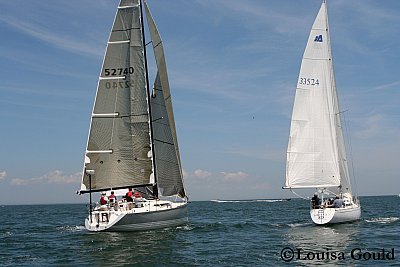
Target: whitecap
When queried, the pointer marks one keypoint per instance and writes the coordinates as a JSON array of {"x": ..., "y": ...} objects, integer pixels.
[
  {"x": 383, "y": 220},
  {"x": 185, "y": 227},
  {"x": 297, "y": 224},
  {"x": 68, "y": 228}
]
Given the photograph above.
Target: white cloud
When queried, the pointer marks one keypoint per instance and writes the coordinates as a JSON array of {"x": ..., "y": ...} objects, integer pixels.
[
  {"x": 373, "y": 126},
  {"x": 54, "y": 177},
  {"x": 386, "y": 86},
  {"x": 3, "y": 175},
  {"x": 82, "y": 47},
  {"x": 234, "y": 176},
  {"x": 19, "y": 181},
  {"x": 202, "y": 173}
]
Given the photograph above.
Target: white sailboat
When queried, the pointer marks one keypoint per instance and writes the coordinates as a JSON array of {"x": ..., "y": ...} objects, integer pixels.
[
  {"x": 316, "y": 155},
  {"x": 132, "y": 140}
]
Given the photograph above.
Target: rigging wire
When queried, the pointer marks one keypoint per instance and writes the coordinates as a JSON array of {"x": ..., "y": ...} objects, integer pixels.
[
  {"x": 306, "y": 198},
  {"x": 349, "y": 144}
]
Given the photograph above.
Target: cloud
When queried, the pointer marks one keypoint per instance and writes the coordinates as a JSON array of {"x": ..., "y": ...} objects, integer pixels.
[
  {"x": 253, "y": 13},
  {"x": 234, "y": 176},
  {"x": 54, "y": 177},
  {"x": 82, "y": 47},
  {"x": 3, "y": 175},
  {"x": 201, "y": 173},
  {"x": 386, "y": 86},
  {"x": 374, "y": 125}
]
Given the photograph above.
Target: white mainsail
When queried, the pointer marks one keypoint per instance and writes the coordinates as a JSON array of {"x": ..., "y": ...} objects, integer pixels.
[{"x": 316, "y": 156}]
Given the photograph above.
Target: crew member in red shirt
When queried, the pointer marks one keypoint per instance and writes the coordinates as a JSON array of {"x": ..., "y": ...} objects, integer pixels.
[
  {"x": 112, "y": 197},
  {"x": 103, "y": 199},
  {"x": 129, "y": 195}
]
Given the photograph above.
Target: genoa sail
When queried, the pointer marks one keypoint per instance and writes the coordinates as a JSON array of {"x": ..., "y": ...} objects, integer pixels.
[
  {"x": 168, "y": 170},
  {"x": 316, "y": 156}
]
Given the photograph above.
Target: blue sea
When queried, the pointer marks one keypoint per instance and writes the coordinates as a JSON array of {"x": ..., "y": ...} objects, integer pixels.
[{"x": 219, "y": 233}]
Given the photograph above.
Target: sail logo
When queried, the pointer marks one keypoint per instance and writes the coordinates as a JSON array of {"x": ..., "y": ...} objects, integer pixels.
[{"x": 318, "y": 38}]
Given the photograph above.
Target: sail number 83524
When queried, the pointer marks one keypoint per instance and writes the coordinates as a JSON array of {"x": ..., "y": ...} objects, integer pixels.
[{"x": 308, "y": 81}]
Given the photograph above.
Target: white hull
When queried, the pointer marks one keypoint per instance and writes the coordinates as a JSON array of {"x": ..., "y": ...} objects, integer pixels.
[
  {"x": 152, "y": 214},
  {"x": 336, "y": 215}
]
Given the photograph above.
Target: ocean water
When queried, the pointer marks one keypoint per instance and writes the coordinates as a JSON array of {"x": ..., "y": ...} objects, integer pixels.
[{"x": 220, "y": 233}]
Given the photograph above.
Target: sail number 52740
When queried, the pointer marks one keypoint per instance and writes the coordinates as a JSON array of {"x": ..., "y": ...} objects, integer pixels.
[
  {"x": 119, "y": 71},
  {"x": 308, "y": 81}
]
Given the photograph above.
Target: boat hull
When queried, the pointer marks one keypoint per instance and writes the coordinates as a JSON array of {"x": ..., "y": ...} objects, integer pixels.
[
  {"x": 138, "y": 219},
  {"x": 324, "y": 216}
]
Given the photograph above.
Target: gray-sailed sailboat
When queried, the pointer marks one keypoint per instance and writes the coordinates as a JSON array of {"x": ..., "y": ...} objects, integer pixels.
[
  {"x": 316, "y": 155},
  {"x": 132, "y": 139}
]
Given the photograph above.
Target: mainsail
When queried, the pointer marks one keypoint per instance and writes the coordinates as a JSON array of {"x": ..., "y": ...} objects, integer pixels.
[
  {"x": 118, "y": 149},
  {"x": 125, "y": 148},
  {"x": 316, "y": 156}
]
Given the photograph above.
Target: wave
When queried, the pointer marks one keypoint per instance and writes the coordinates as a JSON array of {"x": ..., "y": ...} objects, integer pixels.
[
  {"x": 76, "y": 228},
  {"x": 292, "y": 225},
  {"x": 186, "y": 227},
  {"x": 250, "y": 200},
  {"x": 383, "y": 220}
]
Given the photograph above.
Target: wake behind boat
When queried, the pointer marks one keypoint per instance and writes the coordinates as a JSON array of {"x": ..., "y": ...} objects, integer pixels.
[
  {"x": 316, "y": 155},
  {"x": 132, "y": 139}
]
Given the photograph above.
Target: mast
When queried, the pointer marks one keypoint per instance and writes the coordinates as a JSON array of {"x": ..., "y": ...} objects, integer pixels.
[{"x": 155, "y": 188}]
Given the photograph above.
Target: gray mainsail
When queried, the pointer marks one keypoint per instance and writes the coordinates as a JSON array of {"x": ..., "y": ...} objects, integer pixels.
[
  {"x": 168, "y": 171},
  {"x": 118, "y": 148},
  {"x": 125, "y": 148}
]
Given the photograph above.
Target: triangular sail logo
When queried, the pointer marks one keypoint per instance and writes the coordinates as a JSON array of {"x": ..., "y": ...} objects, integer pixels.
[{"x": 318, "y": 38}]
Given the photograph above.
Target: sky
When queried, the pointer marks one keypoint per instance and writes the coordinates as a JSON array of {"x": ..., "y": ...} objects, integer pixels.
[{"x": 233, "y": 67}]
